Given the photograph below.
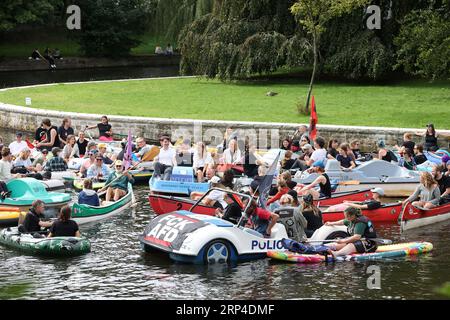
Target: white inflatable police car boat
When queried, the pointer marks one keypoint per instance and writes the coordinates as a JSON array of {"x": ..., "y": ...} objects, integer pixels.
[{"x": 201, "y": 239}]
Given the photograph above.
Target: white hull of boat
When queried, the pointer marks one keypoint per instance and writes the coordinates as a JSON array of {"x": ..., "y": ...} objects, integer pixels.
[{"x": 417, "y": 223}]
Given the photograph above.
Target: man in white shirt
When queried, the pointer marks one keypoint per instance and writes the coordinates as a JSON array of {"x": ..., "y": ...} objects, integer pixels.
[
  {"x": 165, "y": 161},
  {"x": 17, "y": 146},
  {"x": 6, "y": 165},
  {"x": 320, "y": 154}
]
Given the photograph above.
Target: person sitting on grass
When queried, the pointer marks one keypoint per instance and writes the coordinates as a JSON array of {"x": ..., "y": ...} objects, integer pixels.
[
  {"x": 32, "y": 222},
  {"x": 361, "y": 232},
  {"x": 428, "y": 192},
  {"x": 88, "y": 195},
  {"x": 370, "y": 204},
  {"x": 64, "y": 226},
  {"x": 117, "y": 183}
]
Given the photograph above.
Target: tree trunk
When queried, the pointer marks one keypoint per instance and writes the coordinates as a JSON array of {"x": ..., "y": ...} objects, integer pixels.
[{"x": 308, "y": 98}]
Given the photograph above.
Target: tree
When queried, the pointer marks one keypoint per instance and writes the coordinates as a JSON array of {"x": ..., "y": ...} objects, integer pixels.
[
  {"x": 314, "y": 15},
  {"x": 112, "y": 27},
  {"x": 19, "y": 12},
  {"x": 424, "y": 44}
]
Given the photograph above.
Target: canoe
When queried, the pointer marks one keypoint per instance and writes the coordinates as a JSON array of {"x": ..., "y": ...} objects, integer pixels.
[
  {"x": 25, "y": 190},
  {"x": 83, "y": 213},
  {"x": 164, "y": 204},
  {"x": 339, "y": 197},
  {"x": 9, "y": 216},
  {"x": 180, "y": 184},
  {"x": 387, "y": 213},
  {"x": 383, "y": 252},
  {"x": 413, "y": 217},
  {"x": 55, "y": 247}
]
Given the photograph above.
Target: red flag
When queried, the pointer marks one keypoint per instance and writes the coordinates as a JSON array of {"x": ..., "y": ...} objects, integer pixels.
[{"x": 313, "y": 121}]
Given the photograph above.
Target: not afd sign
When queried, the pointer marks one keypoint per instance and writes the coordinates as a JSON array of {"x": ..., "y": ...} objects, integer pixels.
[{"x": 170, "y": 230}]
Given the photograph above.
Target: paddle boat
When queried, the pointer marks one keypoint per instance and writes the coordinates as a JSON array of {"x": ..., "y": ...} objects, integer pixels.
[
  {"x": 181, "y": 183},
  {"x": 9, "y": 216},
  {"x": 415, "y": 217},
  {"x": 54, "y": 247},
  {"x": 164, "y": 204},
  {"x": 383, "y": 252},
  {"x": 395, "y": 181},
  {"x": 388, "y": 212},
  {"x": 84, "y": 214},
  {"x": 25, "y": 190},
  {"x": 200, "y": 239}
]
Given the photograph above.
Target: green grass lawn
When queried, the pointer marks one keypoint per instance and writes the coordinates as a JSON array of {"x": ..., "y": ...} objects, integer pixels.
[{"x": 403, "y": 104}]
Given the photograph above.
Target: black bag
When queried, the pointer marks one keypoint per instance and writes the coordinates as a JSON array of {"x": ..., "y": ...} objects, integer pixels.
[{"x": 20, "y": 169}]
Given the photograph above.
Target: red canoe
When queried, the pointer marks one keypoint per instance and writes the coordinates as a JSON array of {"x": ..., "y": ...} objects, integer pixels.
[
  {"x": 339, "y": 197},
  {"x": 387, "y": 213},
  {"x": 164, "y": 204},
  {"x": 414, "y": 217}
]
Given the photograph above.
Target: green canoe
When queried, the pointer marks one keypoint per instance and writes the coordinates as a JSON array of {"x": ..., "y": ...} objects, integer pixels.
[
  {"x": 25, "y": 190},
  {"x": 55, "y": 247},
  {"x": 83, "y": 213}
]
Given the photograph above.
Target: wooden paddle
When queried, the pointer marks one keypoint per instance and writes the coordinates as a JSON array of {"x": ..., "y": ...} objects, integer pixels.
[{"x": 349, "y": 182}]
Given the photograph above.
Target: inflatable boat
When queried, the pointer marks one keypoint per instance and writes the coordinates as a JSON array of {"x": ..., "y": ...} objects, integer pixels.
[
  {"x": 383, "y": 252},
  {"x": 55, "y": 247}
]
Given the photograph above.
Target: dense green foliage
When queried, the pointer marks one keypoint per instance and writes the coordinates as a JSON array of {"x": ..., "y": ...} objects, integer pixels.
[
  {"x": 112, "y": 27},
  {"x": 424, "y": 43}
]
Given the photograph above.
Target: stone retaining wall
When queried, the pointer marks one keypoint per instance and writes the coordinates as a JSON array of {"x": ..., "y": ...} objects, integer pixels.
[{"x": 268, "y": 134}]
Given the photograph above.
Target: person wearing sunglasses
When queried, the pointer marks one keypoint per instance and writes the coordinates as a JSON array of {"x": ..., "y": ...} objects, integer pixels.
[
  {"x": 98, "y": 170},
  {"x": 117, "y": 182}
]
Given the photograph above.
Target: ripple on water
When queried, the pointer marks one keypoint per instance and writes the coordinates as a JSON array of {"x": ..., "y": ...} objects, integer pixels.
[{"x": 118, "y": 268}]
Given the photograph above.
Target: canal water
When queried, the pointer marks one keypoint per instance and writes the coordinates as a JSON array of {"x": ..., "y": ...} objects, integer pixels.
[{"x": 117, "y": 267}]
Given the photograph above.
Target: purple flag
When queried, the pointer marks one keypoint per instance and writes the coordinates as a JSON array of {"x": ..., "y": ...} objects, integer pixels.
[{"x": 127, "y": 156}]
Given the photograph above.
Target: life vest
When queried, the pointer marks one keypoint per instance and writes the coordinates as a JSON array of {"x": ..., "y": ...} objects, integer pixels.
[{"x": 369, "y": 232}]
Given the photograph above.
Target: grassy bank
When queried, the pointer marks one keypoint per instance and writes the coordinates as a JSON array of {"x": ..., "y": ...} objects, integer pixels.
[{"x": 402, "y": 104}]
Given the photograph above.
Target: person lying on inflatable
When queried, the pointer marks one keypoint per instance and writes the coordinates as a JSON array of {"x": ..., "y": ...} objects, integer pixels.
[{"x": 361, "y": 230}]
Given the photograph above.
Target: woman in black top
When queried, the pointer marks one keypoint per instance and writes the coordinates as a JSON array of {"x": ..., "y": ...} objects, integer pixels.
[
  {"x": 104, "y": 130},
  {"x": 64, "y": 226},
  {"x": 385, "y": 154},
  {"x": 227, "y": 179},
  {"x": 332, "y": 148},
  {"x": 431, "y": 143},
  {"x": 322, "y": 180},
  {"x": 419, "y": 157},
  {"x": 286, "y": 144},
  {"x": 52, "y": 138},
  {"x": 312, "y": 215}
]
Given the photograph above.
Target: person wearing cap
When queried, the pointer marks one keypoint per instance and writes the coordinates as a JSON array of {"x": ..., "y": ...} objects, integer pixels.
[
  {"x": 117, "y": 182},
  {"x": 300, "y": 162},
  {"x": 102, "y": 152},
  {"x": 384, "y": 153},
  {"x": 165, "y": 160},
  {"x": 312, "y": 214},
  {"x": 98, "y": 170},
  {"x": 323, "y": 181},
  {"x": 51, "y": 136},
  {"x": 216, "y": 198},
  {"x": 17, "y": 146},
  {"x": 91, "y": 146},
  {"x": 431, "y": 138},
  {"x": 42, "y": 159},
  {"x": 361, "y": 232},
  {"x": 370, "y": 204},
  {"x": 56, "y": 163},
  {"x": 88, "y": 161}
]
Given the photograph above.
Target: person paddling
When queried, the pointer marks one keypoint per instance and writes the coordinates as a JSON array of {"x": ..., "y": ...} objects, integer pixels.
[{"x": 361, "y": 230}]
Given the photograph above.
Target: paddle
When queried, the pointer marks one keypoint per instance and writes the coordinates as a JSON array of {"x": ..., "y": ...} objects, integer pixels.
[
  {"x": 377, "y": 240},
  {"x": 349, "y": 182}
]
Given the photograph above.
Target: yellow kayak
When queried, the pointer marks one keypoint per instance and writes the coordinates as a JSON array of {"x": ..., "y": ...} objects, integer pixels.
[{"x": 9, "y": 216}]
